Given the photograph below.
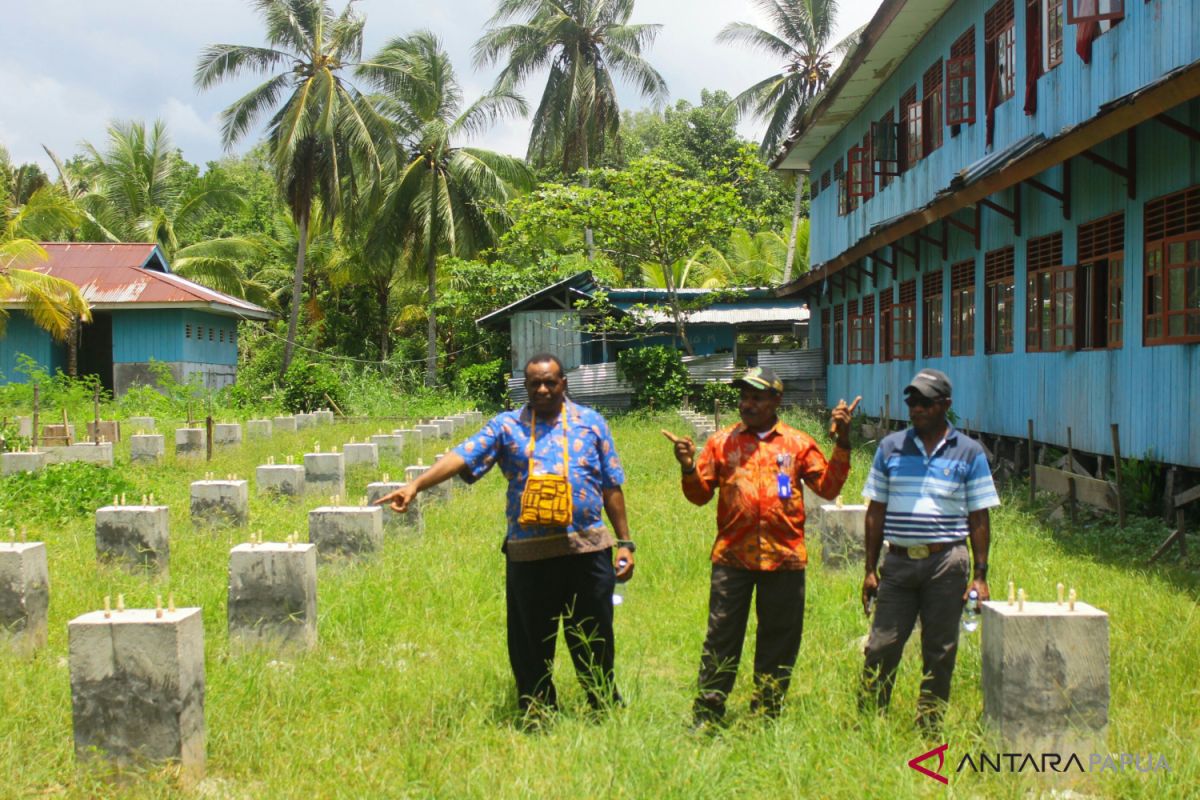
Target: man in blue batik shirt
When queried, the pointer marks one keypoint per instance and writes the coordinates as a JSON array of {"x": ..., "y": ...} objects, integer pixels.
[
  {"x": 553, "y": 571},
  {"x": 929, "y": 491}
]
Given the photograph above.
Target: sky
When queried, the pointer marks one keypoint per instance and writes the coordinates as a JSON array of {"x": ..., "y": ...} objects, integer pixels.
[{"x": 69, "y": 67}]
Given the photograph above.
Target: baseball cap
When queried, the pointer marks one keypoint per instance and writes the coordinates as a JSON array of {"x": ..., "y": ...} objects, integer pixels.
[
  {"x": 930, "y": 383},
  {"x": 759, "y": 378}
]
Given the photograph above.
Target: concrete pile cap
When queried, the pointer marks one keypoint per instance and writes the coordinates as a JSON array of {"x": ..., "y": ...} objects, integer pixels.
[{"x": 273, "y": 547}]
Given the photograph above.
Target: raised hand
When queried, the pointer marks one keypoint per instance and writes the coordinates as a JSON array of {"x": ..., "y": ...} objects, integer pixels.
[
  {"x": 840, "y": 419},
  {"x": 685, "y": 449}
]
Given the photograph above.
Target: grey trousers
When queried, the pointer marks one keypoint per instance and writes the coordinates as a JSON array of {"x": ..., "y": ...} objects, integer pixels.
[
  {"x": 779, "y": 605},
  {"x": 931, "y": 588}
]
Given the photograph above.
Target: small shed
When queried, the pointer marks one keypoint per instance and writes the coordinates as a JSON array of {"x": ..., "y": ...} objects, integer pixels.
[{"x": 141, "y": 313}]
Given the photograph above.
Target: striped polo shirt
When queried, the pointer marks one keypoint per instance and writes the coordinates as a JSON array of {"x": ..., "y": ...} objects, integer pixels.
[{"x": 929, "y": 496}]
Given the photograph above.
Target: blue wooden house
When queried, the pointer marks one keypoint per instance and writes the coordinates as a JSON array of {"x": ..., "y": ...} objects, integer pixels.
[
  {"x": 1009, "y": 191},
  {"x": 141, "y": 312}
]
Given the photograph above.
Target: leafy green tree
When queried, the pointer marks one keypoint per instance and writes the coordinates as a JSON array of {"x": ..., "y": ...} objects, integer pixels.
[
  {"x": 803, "y": 40},
  {"x": 321, "y": 132},
  {"x": 443, "y": 198},
  {"x": 579, "y": 42}
]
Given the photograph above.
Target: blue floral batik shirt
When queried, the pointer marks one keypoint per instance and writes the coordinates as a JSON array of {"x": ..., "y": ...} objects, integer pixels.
[{"x": 594, "y": 467}]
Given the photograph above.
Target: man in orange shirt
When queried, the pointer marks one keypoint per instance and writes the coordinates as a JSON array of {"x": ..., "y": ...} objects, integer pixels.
[{"x": 758, "y": 465}]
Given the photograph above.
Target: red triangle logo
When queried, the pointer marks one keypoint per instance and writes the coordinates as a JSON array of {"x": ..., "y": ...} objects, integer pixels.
[{"x": 940, "y": 752}]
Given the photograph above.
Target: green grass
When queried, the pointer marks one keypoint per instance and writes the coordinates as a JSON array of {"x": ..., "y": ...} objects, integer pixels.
[{"x": 409, "y": 692}]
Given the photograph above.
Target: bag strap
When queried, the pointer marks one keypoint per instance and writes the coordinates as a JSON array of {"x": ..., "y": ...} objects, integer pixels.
[{"x": 533, "y": 438}]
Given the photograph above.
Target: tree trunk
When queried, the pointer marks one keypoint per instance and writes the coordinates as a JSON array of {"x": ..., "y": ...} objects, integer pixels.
[
  {"x": 383, "y": 297},
  {"x": 431, "y": 345},
  {"x": 73, "y": 348},
  {"x": 297, "y": 291},
  {"x": 791, "y": 251},
  {"x": 588, "y": 239},
  {"x": 677, "y": 310}
]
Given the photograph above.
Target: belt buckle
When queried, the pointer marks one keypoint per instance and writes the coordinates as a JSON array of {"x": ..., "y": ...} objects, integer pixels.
[{"x": 918, "y": 551}]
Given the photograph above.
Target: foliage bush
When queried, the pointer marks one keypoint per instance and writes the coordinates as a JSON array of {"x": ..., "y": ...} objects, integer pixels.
[
  {"x": 702, "y": 395},
  {"x": 309, "y": 384},
  {"x": 58, "y": 493},
  {"x": 1142, "y": 485},
  {"x": 485, "y": 383},
  {"x": 658, "y": 376}
]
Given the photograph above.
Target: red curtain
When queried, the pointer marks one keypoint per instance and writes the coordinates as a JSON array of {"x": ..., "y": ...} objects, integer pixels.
[
  {"x": 1033, "y": 55},
  {"x": 1086, "y": 32}
]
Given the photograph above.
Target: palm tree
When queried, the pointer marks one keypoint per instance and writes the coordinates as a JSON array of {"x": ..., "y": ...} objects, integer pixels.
[
  {"x": 442, "y": 198},
  {"x": 321, "y": 132},
  {"x": 578, "y": 41},
  {"x": 802, "y": 40},
  {"x": 52, "y": 303}
]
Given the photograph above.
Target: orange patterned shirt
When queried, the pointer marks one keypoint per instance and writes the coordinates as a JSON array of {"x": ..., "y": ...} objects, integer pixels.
[{"x": 756, "y": 529}]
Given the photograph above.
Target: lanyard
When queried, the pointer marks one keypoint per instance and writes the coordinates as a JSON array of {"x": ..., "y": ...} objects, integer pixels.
[{"x": 533, "y": 440}]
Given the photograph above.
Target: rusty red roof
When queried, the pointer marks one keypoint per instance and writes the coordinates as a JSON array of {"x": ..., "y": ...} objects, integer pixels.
[{"x": 111, "y": 275}]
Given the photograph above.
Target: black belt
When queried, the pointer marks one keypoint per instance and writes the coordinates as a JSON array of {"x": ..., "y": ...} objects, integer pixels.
[{"x": 915, "y": 553}]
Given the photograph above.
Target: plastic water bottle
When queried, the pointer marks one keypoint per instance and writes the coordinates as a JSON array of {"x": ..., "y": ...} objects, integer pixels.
[
  {"x": 971, "y": 613},
  {"x": 619, "y": 587}
]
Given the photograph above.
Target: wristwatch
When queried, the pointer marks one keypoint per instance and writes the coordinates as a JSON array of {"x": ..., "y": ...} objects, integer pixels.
[
  {"x": 981, "y": 570},
  {"x": 627, "y": 544}
]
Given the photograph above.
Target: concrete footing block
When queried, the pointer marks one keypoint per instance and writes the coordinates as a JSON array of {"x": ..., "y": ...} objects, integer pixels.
[
  {"x": 408, "y": 522},
  {"x": 24, "y": 462},
  {"x": 83, "y": 453},
  {"x": 390, "y": 445},
  {"x": 325, "y": 473},
  {"x": 324, "y": 416},
  {"x": 189, "y": 443},
  {"x": 216, "y": 503},
  {"x": 284, "y": 423},
  {"x": 428, "y": 432},
  {"x": 842, "y": 532},
  {"x": 412, "y": 437},
  {"x": 135, "y": 424},
  {"x": 134, "y": 536},
  {"x": 346, "y": 532},
  {"x": 1046, "y": 676},
  {"x": 305, "y": 421},
  {"x": 445, "y": 427},
  {"x": 273, "y": 594},
  {"x": 25, "y": 427},
  {"x": 283, "y": 480},
  {"x": 812, "y": 509},
  {"x": 137, "y": 687},
  {"x": 258, "y": 428},
  {"x": 24, "y": 595},
  {"x": 147, "y": 448},
  {"x": 227, "y": 433},
  {"x": 439, "y": 492},
  {"x": 360, "y": 454}
]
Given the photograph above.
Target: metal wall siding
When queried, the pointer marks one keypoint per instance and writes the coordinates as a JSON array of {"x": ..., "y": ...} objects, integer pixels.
[
  {"x": 1149, "y": 391},
  {"x": 554, "y": 332},
  {"x": 143, "y": 334},
  {"x": 22, "y": 337},
  {"x": 1153, "y": 39},
  {"x": 206, "y": 351}
]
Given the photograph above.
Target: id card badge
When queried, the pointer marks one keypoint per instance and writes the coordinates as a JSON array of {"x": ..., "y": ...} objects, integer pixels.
[{"x": 783, "y": 481}]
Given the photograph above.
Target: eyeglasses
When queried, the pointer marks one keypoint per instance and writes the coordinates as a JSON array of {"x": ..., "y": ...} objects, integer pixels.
[{"x": 914, "y": 401}]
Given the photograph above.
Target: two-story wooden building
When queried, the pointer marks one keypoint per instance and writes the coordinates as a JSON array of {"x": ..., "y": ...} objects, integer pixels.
[{"x": 1009, "y": 191}]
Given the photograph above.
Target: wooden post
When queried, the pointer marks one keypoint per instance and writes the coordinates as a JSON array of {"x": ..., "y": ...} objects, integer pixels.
[
  {"x": 189, "y": 419},
  {"x": 887, "y": 412},
  {"x": 1169, "y": 496},
  {"x": 1181, "y": 533},
  {"x": 716, "y": 413},
  {"x": 208, "y": 437},
  {"x": 1070, "y": 481},
  {"x": 1032, "y": 467},
  {"x": 67, "y": 427},
  {"x": 96, "y": 415},
  {"x": 36, "y": 393},
  {"x": 1116, "y": 437}
]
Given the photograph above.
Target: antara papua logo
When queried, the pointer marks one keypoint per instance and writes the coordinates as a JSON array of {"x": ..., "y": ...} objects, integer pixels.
[{"x": 940, "y": 752}]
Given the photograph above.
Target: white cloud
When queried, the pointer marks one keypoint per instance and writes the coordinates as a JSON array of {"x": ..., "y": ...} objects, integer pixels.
[{"x": 41, "y": 110}]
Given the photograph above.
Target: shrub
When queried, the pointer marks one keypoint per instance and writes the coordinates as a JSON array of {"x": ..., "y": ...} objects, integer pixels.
[
  {"x": 703, "y": 395},
  {"x": 484, "y": 383},
  {"x": 308, "y": 385},
  {"x": 659, "y": 378}
]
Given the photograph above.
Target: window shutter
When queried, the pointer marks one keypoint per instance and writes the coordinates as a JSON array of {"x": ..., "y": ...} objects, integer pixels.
[{"x": 1084, "y": 11}]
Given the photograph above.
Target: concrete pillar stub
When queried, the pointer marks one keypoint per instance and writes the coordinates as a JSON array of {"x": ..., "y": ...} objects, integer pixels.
[
  {"x": 137, "y": 687},
  {"x": 135, "y": 424},
  {"x": 408, "y": 522},
  {"x": 283, "y": 480},
  {"x": 227, "y": 433},
  {"x": 427, "y": 432},
  {"x": 361, "y": 454},
  {"x": 284, "y": 423},
  {"x": 325, "y": 473},
  {"x": 190, "y": 442},
  {"x": 25, "y": 427},
  {"x": 84, "y": 453},
  {"x": 273, "y": 594},
  {"x": 220, "y": 503},
  {"x": 324, "y": 416},
  {"x": 388, "y": 444},
  {"x": 346, "y": 532},
  {"x": 147, "y": 447},
  {"x": 258, "y": 428},
  {"x": 842, "y": 530},
  {"x": 24, "y": 462},
  {"x": 305, "y": 421},
  {"x": 134, "y": 536},
  {"x": 24, "y": 595},
  {"x": 812, "y": 510},
  {"x": 445, "y": 428},
  {"x": 1045, "y": 676}
]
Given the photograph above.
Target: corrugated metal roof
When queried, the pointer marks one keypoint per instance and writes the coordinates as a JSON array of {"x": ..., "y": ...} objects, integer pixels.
[
  {"x": 784, "y": 312},
  {"x": 114, "y": 275}
]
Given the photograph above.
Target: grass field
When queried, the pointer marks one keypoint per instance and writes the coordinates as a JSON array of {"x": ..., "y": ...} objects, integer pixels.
[{"x": 409, "y": 692}]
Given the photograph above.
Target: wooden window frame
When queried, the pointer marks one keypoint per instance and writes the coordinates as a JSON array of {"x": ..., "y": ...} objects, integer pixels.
[
  {"x": 860, "y": 174},
  {"x": 1117, "y": 12},
  {"x": 960, "y": 76},
  {"x": 1000, "y": 47},
  {"x": 1101, "y": 283},
  {"x": 839, "y": 333},
  {"x": 962, "y": 309},
  {"x": 886, "y": 312},
  {"x": 885, "y": 146},
  {"x": 825, "y": 180},
  {"x": 904, "y": 321},
  {"x": 999, "y": 291},
  {"x": 1169, "y": 221},
  {"x": 933, "y": 315},
  {"x": 910, "y": 119},
  {"x": 931, "y": 108},
  {"x": 1050, "y": 296},
  {"x": 826, "y": 329},
  {"x": 1052, "y": 45}
]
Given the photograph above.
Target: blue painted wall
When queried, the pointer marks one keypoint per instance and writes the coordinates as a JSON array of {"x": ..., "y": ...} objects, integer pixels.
[
  {"x": 1153, "y": 393},
  {"x": 141, "y": 335},
  {"x": 21, "y": 336},
  {"x": 217, "y": 345},
  {"x": 1154, "y": 38},
  {"x": 706, "y": 339}
]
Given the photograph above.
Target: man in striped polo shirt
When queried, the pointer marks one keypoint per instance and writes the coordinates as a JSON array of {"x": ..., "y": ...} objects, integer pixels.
[{"x": 929, "y": 490}]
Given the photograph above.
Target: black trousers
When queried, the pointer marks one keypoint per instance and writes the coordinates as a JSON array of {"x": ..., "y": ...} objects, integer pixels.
[
  {"x": 578, "y": 590},
  {"x": 779, "y": 605}
]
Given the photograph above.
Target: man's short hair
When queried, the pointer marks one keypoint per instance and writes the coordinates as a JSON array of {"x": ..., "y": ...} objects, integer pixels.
[{"x": 542, "y": 358}]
